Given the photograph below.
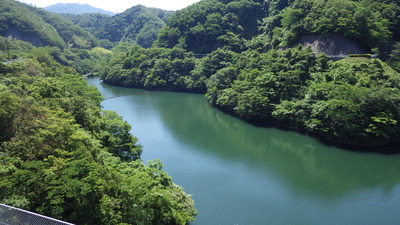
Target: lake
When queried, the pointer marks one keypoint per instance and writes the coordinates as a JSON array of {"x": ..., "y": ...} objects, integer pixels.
[{"x": 240, "y": 174}]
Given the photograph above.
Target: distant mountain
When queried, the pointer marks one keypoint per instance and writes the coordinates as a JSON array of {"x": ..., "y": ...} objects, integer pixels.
[
  {"x": 138, "y": 24},
  {"x": 40, "y": 27},
  {"x": 75, "y": 8}
]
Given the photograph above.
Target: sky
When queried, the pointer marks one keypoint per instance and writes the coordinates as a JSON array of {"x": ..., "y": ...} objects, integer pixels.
[{"x": 118, "y": 6}]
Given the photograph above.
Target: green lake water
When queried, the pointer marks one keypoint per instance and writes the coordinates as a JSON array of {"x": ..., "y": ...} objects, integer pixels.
[{"x": 240, "y": 174}]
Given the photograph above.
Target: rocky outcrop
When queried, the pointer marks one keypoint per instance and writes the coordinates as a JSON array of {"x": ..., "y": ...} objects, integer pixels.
[
  {"x": 332, "y": 45},
  {"x": 16, "y": 34}
]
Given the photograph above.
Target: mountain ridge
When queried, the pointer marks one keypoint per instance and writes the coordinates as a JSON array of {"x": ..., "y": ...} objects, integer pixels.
[
  {"x": 76, "y": 8},
  {"x": 139, "y": 24},
  {"x": 28, "y": 23}
]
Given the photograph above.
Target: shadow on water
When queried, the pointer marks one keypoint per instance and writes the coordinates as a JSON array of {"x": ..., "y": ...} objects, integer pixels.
[{"x": 303, "y": 162}]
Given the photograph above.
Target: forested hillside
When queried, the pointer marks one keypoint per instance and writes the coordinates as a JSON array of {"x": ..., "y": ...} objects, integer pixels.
[
  {"x": 210, "y": 24},
  {"x": 207, "y": 25},
  {"x": 41, "y": 27},
  {"x": 250, "y": 71},
  {"x": 67, "y": 43},
  {"x": 61, "y": 156},
  {"x": 353, "y": 101},
  {"x": 373, "y": 23},
  {"x": 138, "y": 24},
  {"x": 88, "y": 21}
]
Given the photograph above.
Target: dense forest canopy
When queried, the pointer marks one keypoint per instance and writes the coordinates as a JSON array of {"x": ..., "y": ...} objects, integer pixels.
[
  {"x": 207, "y": 25},
  {"x": 41, "y": 27},
  {"x": 138, "y": 24},
  {"x": 293, "y": 88},
  {"x": 372, "y": 23},
  {"x": 154, "y": 68},
  {"x": 61, "y": 156},
  {"x": 88, "y": 21}
]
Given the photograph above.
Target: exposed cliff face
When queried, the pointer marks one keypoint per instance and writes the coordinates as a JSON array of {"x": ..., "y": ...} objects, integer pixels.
[
  {"x": 16, "y": 34},
  {"x": 333, "y": 45}
]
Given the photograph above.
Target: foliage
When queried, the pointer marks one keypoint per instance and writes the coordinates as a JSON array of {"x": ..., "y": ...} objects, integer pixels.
[
  {"x": 18, "y": 20},
  {"x": 63, "y": 157},
  {"x": 394, "y": 60},
  {"x": 138, "y": 24},
  {"x": 211, "y": 24},
  {"x": 84, "y": 61},
  {"x": 74, "y": 36},
  {"x": 88, "y": 21},
  {"x": 205, "y": 26},
  {"x": 341, "y": 101},
  {"x": 41, "y": 27},
  {"x": 154, "y": 68},
  {"x": 372, "y": 23},
  {"x": 12, "y": 48}
]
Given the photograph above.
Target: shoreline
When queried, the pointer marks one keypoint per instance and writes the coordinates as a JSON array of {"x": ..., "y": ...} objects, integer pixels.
[{"x": 386, "y": 148}]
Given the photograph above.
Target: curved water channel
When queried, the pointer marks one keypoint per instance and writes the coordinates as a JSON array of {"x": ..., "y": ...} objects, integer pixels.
[{"x": 242, "y": 174}]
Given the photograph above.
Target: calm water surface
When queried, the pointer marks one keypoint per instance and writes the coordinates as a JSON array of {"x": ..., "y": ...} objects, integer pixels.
[{"x": 242, "y": 174}]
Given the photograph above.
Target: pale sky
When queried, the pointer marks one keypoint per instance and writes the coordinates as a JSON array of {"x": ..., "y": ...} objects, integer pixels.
[{"x": 118, "y": 5}]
